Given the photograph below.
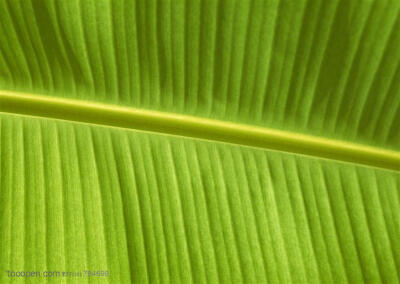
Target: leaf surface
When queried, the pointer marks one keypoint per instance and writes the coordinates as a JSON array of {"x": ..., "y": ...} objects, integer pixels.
[{"x": 83, "y": 195}]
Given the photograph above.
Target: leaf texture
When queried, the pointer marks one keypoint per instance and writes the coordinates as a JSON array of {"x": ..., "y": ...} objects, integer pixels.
[
  {"x": 328, "y": 68},
  {"x": 153, "y": 208}
]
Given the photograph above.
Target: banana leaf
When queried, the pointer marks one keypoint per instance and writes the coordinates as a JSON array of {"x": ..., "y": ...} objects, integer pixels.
[{"x": 200, "y": 141}]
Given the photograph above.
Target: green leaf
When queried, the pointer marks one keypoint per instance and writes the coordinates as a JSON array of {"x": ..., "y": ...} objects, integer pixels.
[{"x": 200, "y": 141}]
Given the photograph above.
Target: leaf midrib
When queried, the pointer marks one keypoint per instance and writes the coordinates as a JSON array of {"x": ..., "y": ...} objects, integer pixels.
[{"x": 195, "y": 127}]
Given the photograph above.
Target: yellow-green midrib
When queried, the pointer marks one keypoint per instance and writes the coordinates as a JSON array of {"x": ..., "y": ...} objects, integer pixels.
[{"x": 196, "y": 127}]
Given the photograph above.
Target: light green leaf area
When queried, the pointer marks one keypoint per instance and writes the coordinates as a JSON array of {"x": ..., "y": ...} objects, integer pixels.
[
  {"x": 152, "y": 208},
  {"x": 112, "y": 189}
]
